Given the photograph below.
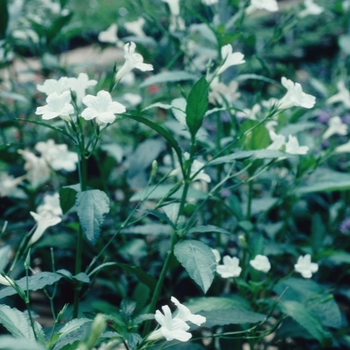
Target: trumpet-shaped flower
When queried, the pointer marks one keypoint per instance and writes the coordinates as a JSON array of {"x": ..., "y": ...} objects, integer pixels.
[
  {"x": 221, "y": 94},
  {"x": 174, "y": 6},
  {"x": 305, "y": 267},
  {"x": 101, "y": 107},
  {"x": 8, "y": 183},
  {"x": 135, "y": 27},
  {"x": 261, "y": 263},
  {"x": 57, "y": 106},
  {"x": 80, "y": 84},
  {"x": 295, "y": 96},
  {"x": 292, "y": 146},
  {"x": 230, "y": 268},
  {"x": 109, "y": 35},
  {"x": 344, "y": 148},
  {"x": 132, "y": 60},
  {"x": 277, "y": 141},
  {"x": 51, "y": 85},
  {"x": 335, "y": 126},
  {"x": 57, "y": 156},
  {"x": 310, "y": 9},
  {"x": 343, "y": 95},
  {"x": 268, "y": 5},
  {"x": 171, "y": 328},
  {"x": 44, "y": 220},
  {"x": 229, "y": 58},
  {"x": 51, "y": 204},
  {"x": 186, "y": 315}
]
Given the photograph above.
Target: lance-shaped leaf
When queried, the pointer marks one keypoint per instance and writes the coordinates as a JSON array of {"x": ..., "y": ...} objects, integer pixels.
[
  {"x": 198, "y": 260},
  {"x": 92, "y": 205},
  {"x": 197, "y": 105}
]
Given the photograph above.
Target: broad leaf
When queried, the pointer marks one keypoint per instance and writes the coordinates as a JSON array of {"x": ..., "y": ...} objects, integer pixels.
[
  {"x": 92, "y": 205},
  {"x": 198, "y": 260},
  {"x": 197, "y": 305},
  {"x": 256, "y": 135},
  {"x": 305, "y": 319},
  {"x": 167, "y": 77},
  {"x": 9, "y": 343},
  {"x": 68, "y": 196},
  {"x": 16, "y": 322},
  {"x": 197, "y": 105}
]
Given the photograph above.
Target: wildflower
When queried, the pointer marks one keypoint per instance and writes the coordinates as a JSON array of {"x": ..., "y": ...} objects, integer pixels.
[
  {"x": 186, "y": 315},
  {"x": 230, "y": 267},
  {"x": 295, "y": 96},
  {"x": 342, "y": 96},
  {"x": 209, "y": 2},
  {"x": 277, "y": 141},
  {"x": 101, "y": 107},
  {"x": 132, "y": 99},
  {"x": 344, "y": 148},
  {"x": 173, "y": 6},
  {"x": 292, "y": 146},
  {"x": 135, "y": 27},
  {"x": 261, "y": 263},
  {"x": 80, "y": 84},
  {"x": 310, "y": 9},
  {"x": 109, "y": 35},
  {"x": 229, "y": 58},
  {"x": 51, "y": 85},
  {"x": 171, "y": 328},
  {"x": 250, "y": 113},
  {"x": 57, "y": 156},
  {"x": 132, "y": 60},
  {"x": 8, "y": 183},
  {"x": 221, "y": 94},
  {"x": 37, "y": 169},
  {"x": 57, "y": 106},
  {"x": 335, "y": 126},
  {"x": 51, "y": 204},
  {"x": 44, "y": 220},
  {"x": 268, "y": 5},
  {"x": 305, "y": 267}
]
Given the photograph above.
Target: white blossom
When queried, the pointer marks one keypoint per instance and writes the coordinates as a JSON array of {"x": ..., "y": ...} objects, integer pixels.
[
  {"x": 174, "y": 6},
  {"x": 101, "y": 107},
  {"x": 186, "y": 315},
  {"x": 344, "y": 148},
  {"x": 250, "y": 113},
  {"x": 44, "y": 220},
  {"x": 295, "y": 96},
  {"x": 8, "y": 183},
  {"x": 135, "y": 27},
  {"x": 335, "y": 126},
  {"x": 52, "y": 85},
  {"x": 109, "y": 35},
  {"x": 229, "y": 58},
  {"x": 310, "y": 9},
  {"x": 80, "y": 84},
  {"x": 221, "y": 93},
  {"x": 268, "y": 5},
  {"x": 305, "y": 267},
  {"x": 230, "y": 268},
  {"x": 343, "y": 95},
  {"x": 261, "y": 263},
  {"x": 51, "y": 204},
  {"x": 209, "y": 2},
  {"x": 132, "y": 60},
  {"x": 292, "y": 146},
  {"x": 277, "y": 141},
  {"x": 57, "y": 106}
]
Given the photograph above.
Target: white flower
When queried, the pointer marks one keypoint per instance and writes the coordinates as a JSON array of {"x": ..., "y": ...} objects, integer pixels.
[
  {"x": 132, "y": 99},
  {"x": 8, "y": 183},
  {"x": 295, "y": 96},
  {"x": 230, "y": 268},
  {"x": 261, "y": 263},
  {"x": 229, "y": 58},
  {"x": 80, "y": 84},
  {"x": 51, "y": 204},
  {"x": 310, "y": 9},
  {"x": 135, "y": 27},
  {"x": 344, "y": 148},
  {"x": 343, "y": 95},
  {"x": 37, "y": 169},
  {"x": 171, "y": 328},
  {"x": 221, "y": 94},
  {"x": 209, "y": 2},
  {"x": 305, "y": 267},
  {"x": 335, "y": 126},
  {"x": 277, "y": 141},
  {"x": 44, "y": 220},
  {"x": 101, "y": 107},
  {"x": 292, "y": 146},
  {"x": 51, "y": 85},
  {"x": 174, "y": 6},
  {"x": 268, "y": 5},
  {"x": 109, "y": 35},
  {"x": 186, "y": 315},
  {"x": 57, "y": 156},
  {"x": 132, "y": 60},
  {"x": 250, "y": 113},
  {"x": 57, "y": 106}
]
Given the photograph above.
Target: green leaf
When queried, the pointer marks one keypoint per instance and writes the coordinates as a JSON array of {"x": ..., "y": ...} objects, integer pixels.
[
  {"x": 197, "y": 305},
  {"x": 305, "y": 319},
  {"x": 198, "y": 260},
  {"x": 9, "y": 343},
  {"x": 16, "y": 322},
  {"x": 197, "y": 105},
  {"x": 256, "y": 137},
  {"x": 244, "y": 77},
  {"x": 161, "y": 131},
  {"x": 4, "y": 18},
  {"x": 168, "y": 77},
  {"x": 143, "y": 277},
  {"x": 92, "y": 205},
  {"x": 12, "y": 95},
  {"x": 207, "y": 228},
  {"x": 68, "y": 196},
  {"x": 35, "y": 282},
  {"x": 4, "y": 256}
]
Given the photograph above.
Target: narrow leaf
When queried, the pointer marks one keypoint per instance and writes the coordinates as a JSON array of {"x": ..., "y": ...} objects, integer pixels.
[
  {"x": 198, "y": 260},
  {"x": 4, "y": 18},
  {"x": 197, "y": 105},
  {"x": 167, "y": 77},
  {"x": 207, "y": 228},
  {"x": 92, "y": 205}
]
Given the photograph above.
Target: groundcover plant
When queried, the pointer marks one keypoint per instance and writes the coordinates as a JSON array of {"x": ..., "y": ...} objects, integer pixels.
[{"x": 191, "y": 192}]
